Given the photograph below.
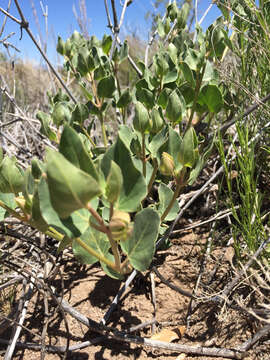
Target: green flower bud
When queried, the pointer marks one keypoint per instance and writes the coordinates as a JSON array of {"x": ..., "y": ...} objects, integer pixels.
[
  {"x": 141, "y": 120},
  {"x": 68, "y": 47},
  {"x": 167, "y": 166},
  {"x": 61, "y": 113},
  {"x": 157, "y": 121},
  {"x": 60, "y": 46}
]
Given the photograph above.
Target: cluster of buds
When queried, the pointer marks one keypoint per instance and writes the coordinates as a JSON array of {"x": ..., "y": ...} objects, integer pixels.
[{"x": 120, "y": 226}]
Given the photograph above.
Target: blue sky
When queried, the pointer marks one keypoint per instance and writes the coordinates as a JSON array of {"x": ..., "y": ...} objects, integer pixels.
[{"x": 61, "y": 21}]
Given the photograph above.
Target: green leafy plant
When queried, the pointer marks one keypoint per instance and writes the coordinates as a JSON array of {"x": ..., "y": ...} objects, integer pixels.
[{"x": 98, "y": 196}]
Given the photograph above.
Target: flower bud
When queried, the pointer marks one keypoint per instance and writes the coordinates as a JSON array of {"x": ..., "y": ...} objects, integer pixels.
[
  {"x": 167, "y": 166},
  {"x": 120, "y": 226},
  {"x": 20, "y": 201},
  {"x": 141, "y": 121},
  {"x": 60, "y": 46},
  {"x": 157, "y": 121}
]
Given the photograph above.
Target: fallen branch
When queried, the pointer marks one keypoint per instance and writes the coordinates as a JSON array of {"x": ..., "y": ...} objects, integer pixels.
[{"x": 115, "y": 334}]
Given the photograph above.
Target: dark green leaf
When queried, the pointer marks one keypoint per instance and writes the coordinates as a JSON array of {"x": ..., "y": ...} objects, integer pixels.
[
  {"x": 106, "y": 87},
  {"x": 164, "y": 98},
  {"x": 45, "y": 129},
  {"x": 188, "y": 75},
  {"x": 146, "y": 97},
  {"x": 176, "y": 107},
  {"x": 124, "y": 99},
  {"x": 80, "y": 113},
  {"x": 141, "y": 119}
]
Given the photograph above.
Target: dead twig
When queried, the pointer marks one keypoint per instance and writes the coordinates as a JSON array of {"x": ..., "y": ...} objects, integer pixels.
[
  {"x": 23, "y": 310},
  {"x": 265, "y": 331},
  {"x": 125, "y": 337},
  {"x": 25, "y": 26},
  {"x": 153, "y": 292}
]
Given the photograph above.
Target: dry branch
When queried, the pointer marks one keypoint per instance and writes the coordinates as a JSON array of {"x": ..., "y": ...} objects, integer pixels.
[{"x": 115, "y": 334}]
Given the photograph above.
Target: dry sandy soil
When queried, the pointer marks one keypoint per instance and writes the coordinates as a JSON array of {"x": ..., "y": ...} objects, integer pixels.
[{"x": 89, "y": 291}]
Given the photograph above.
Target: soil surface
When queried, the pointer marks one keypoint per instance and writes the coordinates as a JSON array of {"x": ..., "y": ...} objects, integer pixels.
[{"x": 89, "y": 291}]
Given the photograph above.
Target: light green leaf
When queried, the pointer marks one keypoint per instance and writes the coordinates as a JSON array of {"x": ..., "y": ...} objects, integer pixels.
[
  {"x": 11, "y": 177},
  {"x": 73, "y": 226},
  {"x": 170, "y": 77},
  {"x": 211, "y": 96},
  {"x": 165, "y": 195},
  {"x": 187, "y": 154},
  {"x": 157, "y": 142},
  {"x": 8, "y": 200},
  {"x": 134, "y": 185},
  {"x": 94, "y": 239},
  {"x": 61, "y": 113},
  {"x": 70, "y": 188},
  {"x": 140, "y": 247},
  {"x": 106, "y": 44},
  {"x": 73, "y": 149},
  {"x": 114, "y": 183}
]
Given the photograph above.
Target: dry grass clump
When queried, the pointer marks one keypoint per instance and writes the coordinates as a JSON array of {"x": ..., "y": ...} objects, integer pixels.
[{"x": 27, "y": 82}]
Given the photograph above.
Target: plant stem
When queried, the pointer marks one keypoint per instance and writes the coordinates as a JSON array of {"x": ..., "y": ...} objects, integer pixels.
[
  {"x": 11, "y": 211},
  {"x": 153, "y": 176},
  {"x": 96, "y": 254},
  {"x": 143, "y": 155},
  {"x": 88, "y": 136},
  {"x": 115, "y": 251},
  {"x": 104, "y": 135},
  {"x": 106, "y": 230},
  {"x": 54, "y": 234},
  {"x": 196, "y": 95},
  {"x": 175, "y": 196},
  {"x": 97, "y": 217}
]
